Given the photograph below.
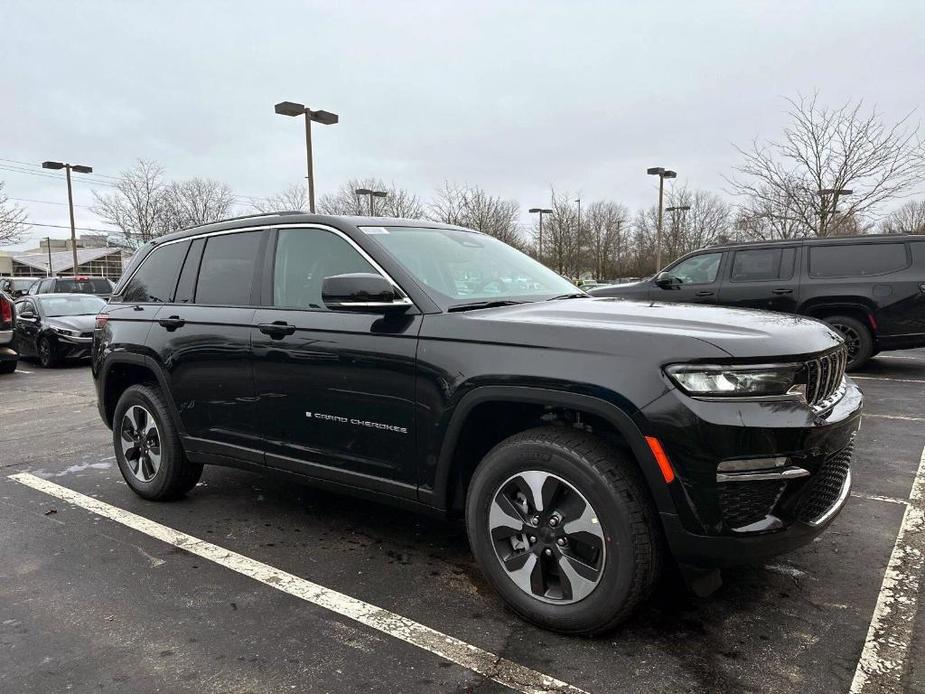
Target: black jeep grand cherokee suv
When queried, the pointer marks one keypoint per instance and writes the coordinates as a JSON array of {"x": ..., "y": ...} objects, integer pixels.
[
  {"x": 439, "y": 369},
  {"x": 871, "y": 289}
]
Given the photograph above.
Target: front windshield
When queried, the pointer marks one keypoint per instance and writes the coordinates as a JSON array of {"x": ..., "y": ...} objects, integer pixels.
[
  {"x": 71, "y": 305},
  {"x": 462, "y": 267}
]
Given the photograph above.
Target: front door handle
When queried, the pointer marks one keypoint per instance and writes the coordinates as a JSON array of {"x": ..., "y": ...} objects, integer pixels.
[
  {"x": 782, "y": 291},
  {"x": 276, "y": 329},
  {"x": 704, "y": 292},
  {"x": 172, "y": 323}
]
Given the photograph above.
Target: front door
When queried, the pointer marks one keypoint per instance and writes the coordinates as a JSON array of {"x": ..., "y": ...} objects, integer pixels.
[
  {"x": 335, "y": 389},
  {"x": 26, "y": 328},
  {"x": 697, "y": 280}
]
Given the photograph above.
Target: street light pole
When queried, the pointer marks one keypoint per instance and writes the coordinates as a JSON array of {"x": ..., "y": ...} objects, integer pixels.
[
  {"x": 541, "y": 211},
  {"x": 79, "y": 168},
  {"x": 662, "y": 174},
  {"x": 292, "y": 108},
  {"x": 48, "y": 248},
  {"x": 372, "y": 195}
]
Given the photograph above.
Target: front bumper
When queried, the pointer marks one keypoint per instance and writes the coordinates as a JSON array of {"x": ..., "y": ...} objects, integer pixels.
[
  {"x": 716, "y": 523},
  {"x": 8, "y": 354},
  {"x": 73, "y": 347}
]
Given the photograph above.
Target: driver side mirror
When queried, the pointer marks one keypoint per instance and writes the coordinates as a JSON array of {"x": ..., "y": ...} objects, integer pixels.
[
  {"x": 666, "y": 280},
  {"x": 363, "y": 292},
  {"x": 27, "y": 314}
]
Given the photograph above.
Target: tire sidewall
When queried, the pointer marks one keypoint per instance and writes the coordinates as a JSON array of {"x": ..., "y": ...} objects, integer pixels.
[
  {"x": 46, "y": 356},
  {"x": 866, "y": 349},
  {"x": 171, "y": 455},
  {"x": 616, "y": 583}
]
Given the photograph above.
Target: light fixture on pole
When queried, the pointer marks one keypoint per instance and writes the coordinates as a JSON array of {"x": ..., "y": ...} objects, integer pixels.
[
  {"x": 79, "y": 168},
  {"x": 662, "y": 174},
  {"x": 834, "y": 194},
  {"x": 291, "y": 108},
  {"x": 372, "y": 195},
  {"x": 540, "y": 211}
]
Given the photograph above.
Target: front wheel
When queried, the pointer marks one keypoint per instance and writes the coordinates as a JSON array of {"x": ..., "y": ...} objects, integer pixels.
[
  {"x": 48, "y": 353},
  {"x": 561, "y": 524},
  {"x": 858, "y": 339},
  {"x": 147, "y": 446}
]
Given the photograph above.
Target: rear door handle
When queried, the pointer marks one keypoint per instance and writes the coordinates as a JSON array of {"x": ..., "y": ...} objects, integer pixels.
[
  {"x": 172, "y": 323},
  {"x": 704, "y": 292},
  {"x": 276, "y": 329},
  {"x": 782, "y": 291}
]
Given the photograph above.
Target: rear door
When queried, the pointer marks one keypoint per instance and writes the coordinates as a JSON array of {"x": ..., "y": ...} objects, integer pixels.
[
  {"x": 762, "y": 278},
  {"x": 335, "y": 389},
  {"x": 698, "y": 280}
]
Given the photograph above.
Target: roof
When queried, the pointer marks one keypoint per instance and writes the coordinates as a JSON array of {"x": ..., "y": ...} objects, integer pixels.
[
  {"x": 61, "y": 260},
  {"x": 303, "y": 218},
  {"x": 814, "y": 241}
]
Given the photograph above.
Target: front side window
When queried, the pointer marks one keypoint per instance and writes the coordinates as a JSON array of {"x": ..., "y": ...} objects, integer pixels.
[
  {"x": 701, "y": 269},
  {"x": 860, "y": 260},
  {"x": 226, "y": 272},
  {"x": 763, "y": 264},
  {"x": 155, "y": 280},
  {"x": 304, "y": 257},
  {"x": 461, "y": 267}
]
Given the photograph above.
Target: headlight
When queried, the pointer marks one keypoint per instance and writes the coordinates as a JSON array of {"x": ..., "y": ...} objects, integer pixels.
[
  {"x": 69, "y": 333},
  {"x": 747, "y": 380}
]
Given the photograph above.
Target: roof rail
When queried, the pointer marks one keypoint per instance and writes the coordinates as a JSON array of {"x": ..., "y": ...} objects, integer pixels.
[{"x": 252, "y": 216}]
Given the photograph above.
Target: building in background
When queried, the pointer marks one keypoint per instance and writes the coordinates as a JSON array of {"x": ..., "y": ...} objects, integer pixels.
[{"x": 94, "y": 259}]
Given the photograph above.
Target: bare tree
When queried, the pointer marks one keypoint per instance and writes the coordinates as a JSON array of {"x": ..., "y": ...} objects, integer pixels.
[
  {"x": 397, "y": 202},
  {"x": 827, "y": 148},
  {"x": 195, "y": 201},
  {"x": 13, "y": 224},
  {"x": 908, "y": 219},
  {"x": 291, "y": 199},
  {"x": 473, "y": 207},
  {"x": 137, "y": 205},
  {"x": 603, "y": 227},
  {"x": 561, "y": 245}
]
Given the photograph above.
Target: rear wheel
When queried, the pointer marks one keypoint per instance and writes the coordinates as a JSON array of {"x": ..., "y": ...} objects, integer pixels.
[
  {"x": 858, "y": 339},
  {"x": 561, "y": 524},
  {"x": 148, "y": 448},
  {"x": 48, "y": 353}
]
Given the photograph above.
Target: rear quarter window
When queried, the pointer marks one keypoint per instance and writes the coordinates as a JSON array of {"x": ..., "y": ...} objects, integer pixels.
[{"x": 861, "y": 260}]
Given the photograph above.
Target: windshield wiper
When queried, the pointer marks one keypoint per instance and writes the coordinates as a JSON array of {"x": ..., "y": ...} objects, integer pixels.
[
  {"x": 573, "y": 295},
  {"x": 484, "y": 304}
]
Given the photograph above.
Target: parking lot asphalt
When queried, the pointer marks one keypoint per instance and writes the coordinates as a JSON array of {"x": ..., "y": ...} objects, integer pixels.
[{"x": 88, "y": 603}]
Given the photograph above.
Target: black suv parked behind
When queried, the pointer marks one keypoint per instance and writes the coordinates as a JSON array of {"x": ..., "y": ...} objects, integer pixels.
[
  {"x": 100, "y": 286},
  {"x": 869, "y": 288},
  {"x": 438, "y": 368}
]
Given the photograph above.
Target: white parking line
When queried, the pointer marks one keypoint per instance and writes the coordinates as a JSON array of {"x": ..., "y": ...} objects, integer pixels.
[
  {"x": 877, "y": 497},
  {"x": 502, "y": 671},
  {"x": 896, "y": 356},
  {"x": 882, "y": 661},
  {"x": 887, "y": 378},
  {"x": 895, "y": 416}
]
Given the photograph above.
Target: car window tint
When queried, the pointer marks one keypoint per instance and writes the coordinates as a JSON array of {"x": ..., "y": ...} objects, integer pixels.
[
  {"x": 156, "y": 278},
  {"x": 186, "y": 287},
  {"x": 226, "y": 272},
  {"x": 84, "y": 286},
  {"x": 304, "y": 257},
  {"x": 763, "y": 264},
  {"x": 859, "y": 260},
  {"x": 701, "y": 269}
]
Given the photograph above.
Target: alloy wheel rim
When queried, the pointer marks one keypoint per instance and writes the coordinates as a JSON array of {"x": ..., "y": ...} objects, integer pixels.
[
  {"x": 141, "y": 443},
  {"x": 44, "y": 351},
  {"x": 547, "y": 537},
  {"x": 851, "y": 337}
]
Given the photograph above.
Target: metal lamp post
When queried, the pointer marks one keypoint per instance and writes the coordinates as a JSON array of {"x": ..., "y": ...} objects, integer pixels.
[
  {"x": 834, "y": 193},
  {"x": 373, "y": 194},
  {"x": 79, "y": 168},
  {"x": 291, "y": 108},
  {"x": 662, "y": 174},
  {"x": 540, "y": 211}
]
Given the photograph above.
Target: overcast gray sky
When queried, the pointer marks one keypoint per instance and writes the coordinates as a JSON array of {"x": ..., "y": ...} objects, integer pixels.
[{"x": 514, "y": 96}]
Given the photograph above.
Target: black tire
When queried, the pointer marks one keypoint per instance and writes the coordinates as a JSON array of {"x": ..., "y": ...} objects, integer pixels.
[
  {"x": 47, "y": 353},
  {"x": 174, "y": 475},
  {"x": 610, "y": 482},
  {"x": 7, "y": 367},
  {"x": 858, "y": 339}
]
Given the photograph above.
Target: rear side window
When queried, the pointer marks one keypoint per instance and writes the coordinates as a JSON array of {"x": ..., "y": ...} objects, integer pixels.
[
  {"x": 226, "y": 272},
  {"x": 155, "y": 279},
  {"x": 763, "y": 264},
  {"x": 861, "y": 260},
  {"x": 186, "y": 287}
]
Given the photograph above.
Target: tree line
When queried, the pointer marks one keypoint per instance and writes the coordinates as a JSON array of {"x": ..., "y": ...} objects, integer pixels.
[{"x": 832, "y": 171}]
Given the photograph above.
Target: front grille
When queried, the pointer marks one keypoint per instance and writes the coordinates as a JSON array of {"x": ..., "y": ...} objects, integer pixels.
[
  {"x": 744, "y": 503},
  {"x": 824, "y": 487},
  {"x": 824, "y": 376}
]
